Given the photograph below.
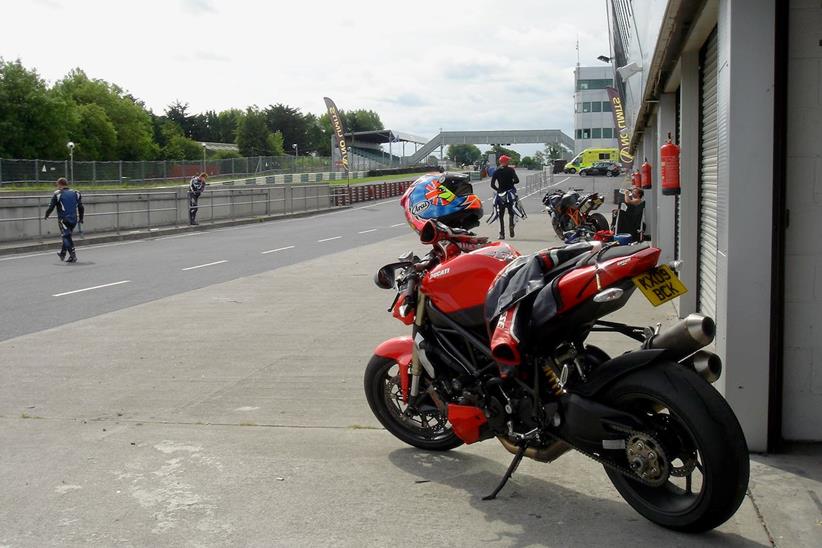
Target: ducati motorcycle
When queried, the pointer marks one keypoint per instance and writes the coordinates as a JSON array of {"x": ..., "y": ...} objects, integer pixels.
[
  {"x": 573, "y": 216},
  {"x": 668, "y": 441}
]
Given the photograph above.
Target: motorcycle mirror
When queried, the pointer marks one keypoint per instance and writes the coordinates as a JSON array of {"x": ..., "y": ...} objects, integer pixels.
[
  {"x": 384, "y": 277},
  {"x": 608, "y": 295}
]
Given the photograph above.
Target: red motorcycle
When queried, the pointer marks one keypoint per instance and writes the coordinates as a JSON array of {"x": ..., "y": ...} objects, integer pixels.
[{"x": 498, "y": 349}]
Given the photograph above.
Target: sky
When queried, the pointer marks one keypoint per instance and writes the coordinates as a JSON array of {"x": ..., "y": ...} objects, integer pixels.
[{"x": 422, "y": 66}]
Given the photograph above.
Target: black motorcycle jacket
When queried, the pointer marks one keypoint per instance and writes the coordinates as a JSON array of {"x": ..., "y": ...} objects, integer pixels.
[{"x": 504, "y": 179}]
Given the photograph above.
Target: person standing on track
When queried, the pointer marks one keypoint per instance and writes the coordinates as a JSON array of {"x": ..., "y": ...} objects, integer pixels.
[
  {"x": 70, "y": 211},
  {"x": 503, "y": 180},
  {"x": 195, "y": 188}
]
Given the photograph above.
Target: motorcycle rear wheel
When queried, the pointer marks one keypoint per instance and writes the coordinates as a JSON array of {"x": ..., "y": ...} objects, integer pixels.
[
  {"x": 421, "y": 425},
  {"x": 707, "y": 440},
  {"x": 598, "y": 220}
]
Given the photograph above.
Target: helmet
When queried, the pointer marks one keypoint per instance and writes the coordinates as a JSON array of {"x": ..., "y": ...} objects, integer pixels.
[
  {"x": 446, "y": 197},
  {"x": 504, "y": 159}
]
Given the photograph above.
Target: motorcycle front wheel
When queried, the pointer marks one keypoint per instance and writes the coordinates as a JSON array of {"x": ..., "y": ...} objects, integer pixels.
[
  {"x": 419, "y": 423},
  {"x": 694, "y": 436},
  {"x": 599, "y": 221}
]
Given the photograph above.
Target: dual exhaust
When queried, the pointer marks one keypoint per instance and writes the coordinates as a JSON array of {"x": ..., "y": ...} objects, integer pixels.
[{"x": 684, "y": 341}]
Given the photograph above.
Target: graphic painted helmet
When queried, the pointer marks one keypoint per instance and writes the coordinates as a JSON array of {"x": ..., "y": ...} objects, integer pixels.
[
  {"x": 446, "y": 197},
  {"x": 503, "y": 160}
]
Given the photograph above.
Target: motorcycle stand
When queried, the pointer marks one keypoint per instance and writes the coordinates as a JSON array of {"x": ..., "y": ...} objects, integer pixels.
[{"x": 508, "y": 473}]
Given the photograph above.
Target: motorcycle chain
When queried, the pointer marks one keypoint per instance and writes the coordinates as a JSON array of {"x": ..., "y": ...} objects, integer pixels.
[{"x": 613, "y": 466}]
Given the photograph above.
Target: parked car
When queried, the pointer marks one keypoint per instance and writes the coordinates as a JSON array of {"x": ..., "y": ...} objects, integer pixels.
[{"x": 609, "y": 169}]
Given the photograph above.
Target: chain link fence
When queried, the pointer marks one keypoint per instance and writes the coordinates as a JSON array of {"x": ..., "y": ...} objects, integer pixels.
[{"x": 37, "y": 171}]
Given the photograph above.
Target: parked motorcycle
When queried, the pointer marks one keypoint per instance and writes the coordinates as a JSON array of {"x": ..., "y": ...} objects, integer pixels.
[
  {"x": 573, "y": 215},
  {"x": 498, "y": 349}
]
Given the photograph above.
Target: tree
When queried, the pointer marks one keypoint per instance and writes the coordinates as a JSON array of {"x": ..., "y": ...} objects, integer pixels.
[
  {"x": 254, "y": 138},
  {"x": 94, "y": 133},
  {"x": 129, "y": 117},
  {"x": 291, "y": 123},
  {"x": 553, "y": 151},
  {"x": 463, "y": 154},
  {"x": 34, "y": 122},
  {"x": 499, "y": 150}
]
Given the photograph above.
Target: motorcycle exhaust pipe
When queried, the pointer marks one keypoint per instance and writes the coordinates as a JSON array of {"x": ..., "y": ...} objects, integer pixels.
[
  {"x": 706, "y": 364},
  {"x": 544, "y": 454},
  {"x": 685, "y": 337}
]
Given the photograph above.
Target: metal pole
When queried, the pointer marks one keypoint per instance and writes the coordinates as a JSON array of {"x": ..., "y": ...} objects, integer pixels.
[
  {"x": 176, "y": 202},
  {"x": 211, "y": 195},
  {"x": 268, "y": 201},
  {"x": 120, "y": 180},
  {"x": 117, "y": 202},
  {"x": 71, "y": 154},
  {"x": 148, "y": 209},
  {"x": 36, "y": 172},
  {"x": 39, "y": 220},
  {"x": 93, "y": 171}
]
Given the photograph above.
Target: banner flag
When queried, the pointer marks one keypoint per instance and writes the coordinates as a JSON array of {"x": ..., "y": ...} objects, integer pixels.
[
  {"x": 623, "y": 134},
  {"x": 339, "y": 131}
]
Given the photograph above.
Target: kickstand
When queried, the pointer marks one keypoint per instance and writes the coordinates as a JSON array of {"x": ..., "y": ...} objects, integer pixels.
[{"x": 508, "y": 473}]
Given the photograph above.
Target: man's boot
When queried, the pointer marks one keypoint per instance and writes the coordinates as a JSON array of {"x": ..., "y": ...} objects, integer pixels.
[
  {"x": 62, "y": 254},
  {"x": 72, "y": 257}
]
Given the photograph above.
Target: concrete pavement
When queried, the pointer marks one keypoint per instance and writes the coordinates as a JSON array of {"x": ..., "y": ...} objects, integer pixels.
[{"x": 234, "y": 415}]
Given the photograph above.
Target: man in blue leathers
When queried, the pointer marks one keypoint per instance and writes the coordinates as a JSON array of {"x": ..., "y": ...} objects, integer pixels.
[{"x": 70, "y": 211}]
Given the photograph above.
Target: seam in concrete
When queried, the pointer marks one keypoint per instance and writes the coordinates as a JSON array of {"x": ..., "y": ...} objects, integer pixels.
[{"x": 761, "y": 519}]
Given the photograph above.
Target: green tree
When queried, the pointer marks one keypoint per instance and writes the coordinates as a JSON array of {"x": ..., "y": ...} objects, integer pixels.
[
  {"x": 553, "y": 151},
  {"x": 294, "y": 126},
  {"x": 499, "y": 150},
  {"x": 34, "y": 122},
  {"x": 130, "y": 118},
  {"x": 94, "y": 133},
  {"x": 254, "y": 138},
  {"x": 463, "y": 154}
]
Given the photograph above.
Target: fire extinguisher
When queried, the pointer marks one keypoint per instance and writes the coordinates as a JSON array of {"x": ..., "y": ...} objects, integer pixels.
[
  {"x": 645, "y": 175},
  {"x": 635, "y": 179},
  {"x": 669, "y": 156}
]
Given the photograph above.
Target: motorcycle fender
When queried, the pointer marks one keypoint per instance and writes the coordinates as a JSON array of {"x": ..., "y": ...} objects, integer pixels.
[
  {"x": 608, "y": 372},
  {"x": 400, "y": 350}
]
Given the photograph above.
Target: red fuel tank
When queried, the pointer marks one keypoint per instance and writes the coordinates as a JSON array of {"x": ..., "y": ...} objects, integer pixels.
[{"x": 462, "y": 282}]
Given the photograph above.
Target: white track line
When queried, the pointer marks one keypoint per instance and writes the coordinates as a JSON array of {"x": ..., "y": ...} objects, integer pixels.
[
  {"x": 367, "y": 231},
  {"x": 204, "y": 265},
  {"x": 179, "y": 236},
  {"x": 90, "y": 288},
  {"x": 276, "y": 250},
  {"x": 329, "y": 239},
  {"x": 398, "y": 224}
]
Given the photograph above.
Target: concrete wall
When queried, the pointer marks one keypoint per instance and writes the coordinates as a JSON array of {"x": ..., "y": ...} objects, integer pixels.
[
  {"x": 127, "y": 210},
  {"x": 802, "y": 374}
]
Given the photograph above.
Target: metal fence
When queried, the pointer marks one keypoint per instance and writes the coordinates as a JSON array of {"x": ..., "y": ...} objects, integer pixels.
[
  {"x": 21, "y": 216},
  {"x": 37, "y": 171}
]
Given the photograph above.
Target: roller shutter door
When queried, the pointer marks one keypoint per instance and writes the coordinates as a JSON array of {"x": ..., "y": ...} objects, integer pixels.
[
  {"x": 677, "y": 205},
  {"x": 708, "y": 152}
]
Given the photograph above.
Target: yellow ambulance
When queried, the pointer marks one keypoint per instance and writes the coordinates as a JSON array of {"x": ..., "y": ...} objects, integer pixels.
[{"x": 590, "y": 156}]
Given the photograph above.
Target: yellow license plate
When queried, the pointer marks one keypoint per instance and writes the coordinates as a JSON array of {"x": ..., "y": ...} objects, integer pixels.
[{"x": 660, "y": 285}]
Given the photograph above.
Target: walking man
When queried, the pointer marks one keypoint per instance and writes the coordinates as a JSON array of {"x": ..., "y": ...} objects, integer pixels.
[
  {"x": 70, "y": 211},
  {"x": 195, "y": 188},
  {"x": 503, "y": 181}
]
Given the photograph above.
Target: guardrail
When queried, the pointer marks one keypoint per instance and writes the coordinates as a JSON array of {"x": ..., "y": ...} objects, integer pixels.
[{"x": 21, "y": 216}]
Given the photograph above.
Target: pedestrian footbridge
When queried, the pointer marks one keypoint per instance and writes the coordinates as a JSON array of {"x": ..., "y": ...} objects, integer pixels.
[{"x": 503, "y": 136}]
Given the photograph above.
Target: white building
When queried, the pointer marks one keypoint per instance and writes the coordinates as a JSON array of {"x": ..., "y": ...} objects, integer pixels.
[
  {"x": 737, "y": 85},
  {"x": 593, "y": 120}
]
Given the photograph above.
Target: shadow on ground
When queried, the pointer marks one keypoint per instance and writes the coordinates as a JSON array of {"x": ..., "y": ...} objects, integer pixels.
[{"x": 546, "y": 513}]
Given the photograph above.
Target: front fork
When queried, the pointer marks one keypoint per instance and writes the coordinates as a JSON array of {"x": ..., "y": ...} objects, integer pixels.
[{"x": 418, "y": 355}]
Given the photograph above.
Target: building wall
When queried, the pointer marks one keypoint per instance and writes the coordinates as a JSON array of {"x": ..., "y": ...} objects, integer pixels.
[
  {"x": 745, "y": 113},
  {"x": 802, "y": 365},
  {"x": 592, "y": 100}
]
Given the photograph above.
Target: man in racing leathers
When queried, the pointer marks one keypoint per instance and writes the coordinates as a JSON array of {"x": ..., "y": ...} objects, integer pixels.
[
  {"x": 195, "y": 188},
  {"x": 70, "y": 211},
  {"x": 503, "y": 180}
]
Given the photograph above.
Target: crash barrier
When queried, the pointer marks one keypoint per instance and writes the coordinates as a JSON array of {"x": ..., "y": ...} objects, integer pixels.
[
  {"x": 21, "y": 216},
  {"x": 344, "y": 196}
]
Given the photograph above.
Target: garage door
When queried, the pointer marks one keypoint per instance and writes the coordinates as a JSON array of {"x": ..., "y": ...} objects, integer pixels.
[{"x": 708, "y": 152}]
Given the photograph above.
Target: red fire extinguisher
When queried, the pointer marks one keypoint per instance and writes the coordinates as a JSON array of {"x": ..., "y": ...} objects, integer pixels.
[
  {"x": 669, "y": 158},
  {"x": 635, "y": 179},
  {"x": 645, "y": 175}
]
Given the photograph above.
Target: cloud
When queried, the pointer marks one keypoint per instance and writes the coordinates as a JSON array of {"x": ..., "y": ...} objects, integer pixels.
[
  {"x": 210, "y": 56},
  {"x": 51, "y": 4},
  {"x": 198, "y": 7}
]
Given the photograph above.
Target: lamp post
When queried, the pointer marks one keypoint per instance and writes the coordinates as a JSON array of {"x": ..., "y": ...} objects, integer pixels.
[
  {"x": 296, "y": 150},
  {"x": 70, "y": 146},
  {"x": 204, "y": 157}
]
